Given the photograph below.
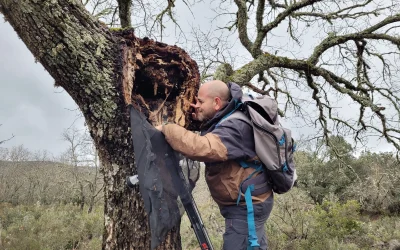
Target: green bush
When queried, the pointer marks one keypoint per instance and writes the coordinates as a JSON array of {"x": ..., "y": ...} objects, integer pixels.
[
  {"x": 297, "y": 223},
  {"x": 337, "y": 220},
  {"x": 50, "y": 227}
]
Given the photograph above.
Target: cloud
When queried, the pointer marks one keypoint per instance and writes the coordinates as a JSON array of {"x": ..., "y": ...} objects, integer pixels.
[{"x": 30, "y": 107}]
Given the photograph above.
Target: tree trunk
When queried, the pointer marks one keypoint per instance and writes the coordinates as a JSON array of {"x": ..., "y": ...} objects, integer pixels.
[{"x": 103, "y": 71}]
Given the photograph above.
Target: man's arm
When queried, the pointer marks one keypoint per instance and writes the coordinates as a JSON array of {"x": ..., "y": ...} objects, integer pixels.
[
  {"x": 232, "y": 140},
  {"x": 207, "y": 148}
]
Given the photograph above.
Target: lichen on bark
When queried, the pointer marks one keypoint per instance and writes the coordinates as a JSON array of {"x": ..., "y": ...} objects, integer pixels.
[{"x": 90, "y": 63}]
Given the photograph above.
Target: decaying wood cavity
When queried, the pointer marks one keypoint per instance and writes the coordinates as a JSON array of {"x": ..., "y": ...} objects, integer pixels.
[{"x": 158, "y": 79}]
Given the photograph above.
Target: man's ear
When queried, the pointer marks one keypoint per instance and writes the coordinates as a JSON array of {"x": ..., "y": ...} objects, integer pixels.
[{"x": 218, "y": 103}]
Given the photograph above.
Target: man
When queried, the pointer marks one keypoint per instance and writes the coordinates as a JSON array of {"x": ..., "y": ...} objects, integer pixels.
[{"x": 222, "y": 145}]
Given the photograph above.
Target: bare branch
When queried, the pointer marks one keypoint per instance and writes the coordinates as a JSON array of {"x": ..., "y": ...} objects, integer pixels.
[
  {"x": 333, "y": 40},
  {"x": 260, "y": 15},
  {"x": 275, "y": 5},
  {"x": 242, "y": 25},
  {"x": 339, "y": 14},
  {"x": 3, "y": 141},
  {"x": 256, "y": 48},
  {"x": 124, "y": 7},
  {"x": 362, "y": 93}
]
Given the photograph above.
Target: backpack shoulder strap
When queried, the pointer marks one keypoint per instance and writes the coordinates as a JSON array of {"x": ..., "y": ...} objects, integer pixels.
[{"x": 237, "y": 115}]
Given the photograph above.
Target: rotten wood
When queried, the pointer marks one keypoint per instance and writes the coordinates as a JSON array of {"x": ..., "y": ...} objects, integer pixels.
[{"x": 158, "y": 79}]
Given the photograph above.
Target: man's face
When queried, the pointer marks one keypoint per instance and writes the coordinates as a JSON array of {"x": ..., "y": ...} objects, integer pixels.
[{"x": 206, "y": 106}]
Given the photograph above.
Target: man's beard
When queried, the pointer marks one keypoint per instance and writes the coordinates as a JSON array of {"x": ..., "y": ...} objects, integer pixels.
[{"x": 204, "y": 119}]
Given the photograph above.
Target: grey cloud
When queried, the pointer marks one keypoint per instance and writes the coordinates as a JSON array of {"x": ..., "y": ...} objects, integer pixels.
[{"x": 30, "y": 107}]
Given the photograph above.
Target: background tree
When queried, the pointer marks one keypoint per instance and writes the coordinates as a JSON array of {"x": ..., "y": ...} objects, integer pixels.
[
  {"x": 352, "y": 57},
  {"x": 378, "y": 189},
  {"x": 371, "y": 179},
  {"x": 83, "y": 166},
  {"x": 19, "y": 153},
  {"x": 42, "y": 155},
  {"x": 327, "y": 171}
]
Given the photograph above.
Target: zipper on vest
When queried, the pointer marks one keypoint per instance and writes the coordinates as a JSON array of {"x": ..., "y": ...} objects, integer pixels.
[{"x": 276, "y": 142}]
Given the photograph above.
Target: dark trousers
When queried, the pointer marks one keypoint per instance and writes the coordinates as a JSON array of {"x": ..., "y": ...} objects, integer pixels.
[
  {"x": 236, "y": 234},
  {"x": 236, "y": 229}
]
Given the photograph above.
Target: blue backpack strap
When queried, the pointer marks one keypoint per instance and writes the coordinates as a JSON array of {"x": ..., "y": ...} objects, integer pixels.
[
  {"x": 237, "y": 105},
  {"x": 252, "y": 237},
  {"x": 244, "y": 164},
  {"x": 253, "y": 240}
]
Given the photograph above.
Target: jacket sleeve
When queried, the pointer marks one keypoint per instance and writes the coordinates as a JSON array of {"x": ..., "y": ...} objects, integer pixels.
[
  {"x": 233, "y": 140},
  {"x": 206, "y": 148}
]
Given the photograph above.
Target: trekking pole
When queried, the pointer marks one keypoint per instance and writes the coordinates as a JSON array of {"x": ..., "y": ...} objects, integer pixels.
[
  {"x": 193, "y": 213},
  {"x": 198, "y": 226}
]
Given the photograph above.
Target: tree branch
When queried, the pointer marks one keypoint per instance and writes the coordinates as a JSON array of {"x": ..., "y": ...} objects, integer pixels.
[
  {"x": 3, "y": 141},
  {"x": 358, "y": 94},
  {"x": 333, "y": 40},
  {"x": 260, "y": 15},
  {"x": 339, "y": 14},
  {"x": 275, "y": 5},
  {"x": 242, "y": 17},
  {"x": 124, "y": 7},
  {"x": 256, "y": 48}
]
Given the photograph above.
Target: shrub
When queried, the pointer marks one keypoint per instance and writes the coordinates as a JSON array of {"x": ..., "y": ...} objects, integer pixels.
[{"x": 50, "y": 227}]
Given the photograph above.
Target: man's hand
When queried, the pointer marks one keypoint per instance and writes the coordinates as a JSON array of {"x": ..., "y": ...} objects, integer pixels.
[{"x": 159, "y": 127}]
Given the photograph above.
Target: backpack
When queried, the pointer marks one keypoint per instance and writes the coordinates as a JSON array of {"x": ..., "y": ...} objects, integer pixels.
[
  {"x": 274, "y": 147},
  {"x": 274, "y": 144}
]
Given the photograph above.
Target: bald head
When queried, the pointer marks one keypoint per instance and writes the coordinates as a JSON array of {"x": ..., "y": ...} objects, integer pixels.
[
  {"x": 216, "y": 88},
  {"x": 212, "y": 97}
]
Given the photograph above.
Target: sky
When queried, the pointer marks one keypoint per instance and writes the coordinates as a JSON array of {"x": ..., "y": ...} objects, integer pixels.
[
  {"x": 37, "y": 113},
  {"x": 31, "y": 108}
]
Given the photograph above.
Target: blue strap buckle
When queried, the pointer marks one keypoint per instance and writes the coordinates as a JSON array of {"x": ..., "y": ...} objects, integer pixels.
[
  {"x": 282, "y": 140},
  {"x": 285, "y": 168}
]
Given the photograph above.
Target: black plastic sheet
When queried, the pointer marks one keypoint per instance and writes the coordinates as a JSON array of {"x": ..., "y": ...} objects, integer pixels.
[{"x": 166, "y": 179}]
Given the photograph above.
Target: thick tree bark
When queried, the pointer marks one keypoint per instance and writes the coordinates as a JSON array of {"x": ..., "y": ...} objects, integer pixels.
[{"x": 103, "y": 72}]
